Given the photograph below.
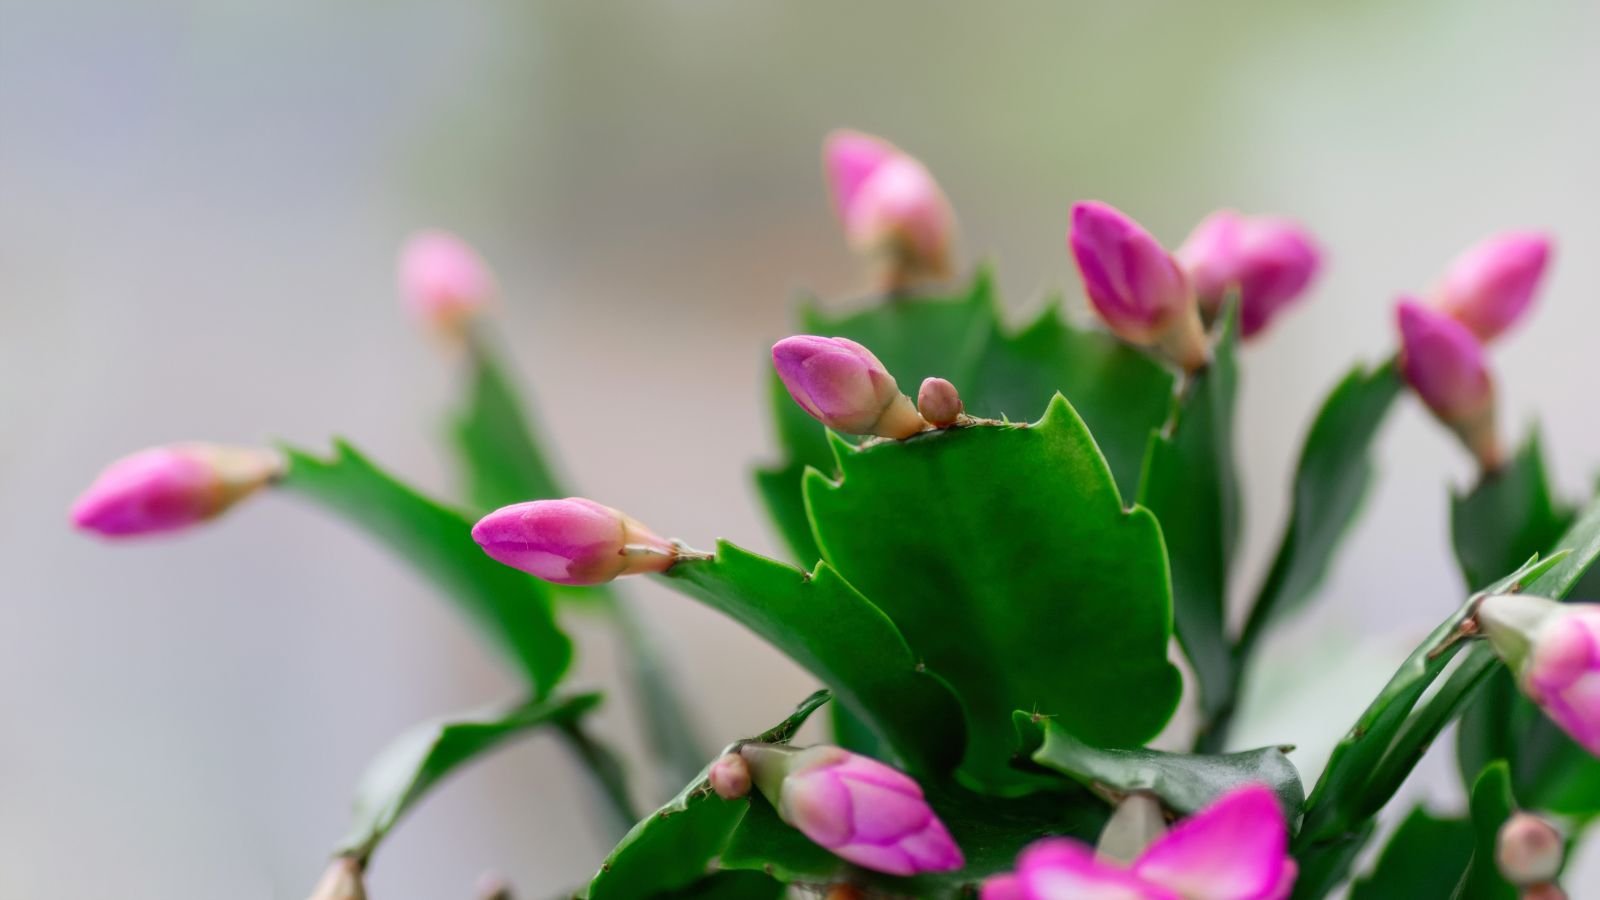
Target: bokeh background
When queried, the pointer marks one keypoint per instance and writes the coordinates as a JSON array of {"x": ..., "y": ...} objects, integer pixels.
[{"x": 199, "y": 207}]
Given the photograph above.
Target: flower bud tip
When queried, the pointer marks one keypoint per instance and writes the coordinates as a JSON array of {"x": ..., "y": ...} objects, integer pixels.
[
  {"x": 443, "y": 280},
  {"x": 843, "y": 386},
  {"x": 939, "y": 403},
  {"x": 169, "y": 488},
  {"x": 1444, "y": 363},
  {"x": 890, "y": 206},
  {"x": 1490, "y": 286},
  {"x": 1529, "y": 850},
  {"x": 1269, "y": 261},
  {"x": 730, "y": 776},
  {"x": 573, "y": 541}
]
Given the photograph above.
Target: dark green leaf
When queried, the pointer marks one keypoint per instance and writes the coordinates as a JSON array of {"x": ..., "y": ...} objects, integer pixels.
[
  {"x": 1492, "y": 805},
  {"x": 676, "y": 845},
  {"x": 990, "y": 832},
  {"x": 822, "y": 623},
  {"x": 419, "y": 759},
  {"x": 731, "y": 886},
  {"x": 1191, "y": 485},
  {"x": 1332, "y": 477},
  {"x": 1422, "y": 861},
  {"x": 512, "y": 608},
  {"x": 1508, "y": 517},
  {"x": 1186, "y": 783},
  {"x": 501, "y": 462},
  {"x": 1006, "y": 558}
]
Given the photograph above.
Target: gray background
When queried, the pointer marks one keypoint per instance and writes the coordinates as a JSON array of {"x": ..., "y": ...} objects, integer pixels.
[{"x": 199, "y": 206}]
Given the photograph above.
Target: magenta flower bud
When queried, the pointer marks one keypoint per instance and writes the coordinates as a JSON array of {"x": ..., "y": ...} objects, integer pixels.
[
  {"x": 889, "y": 205},
  {"x": 730, "y": 776},
  {"x": 858, "y": 808},
  {"x": 572, "y": 541},
  {"x": 1135, "y": 285},
  {"x": 939, "y": 403},
  {"x": 1553, "y": 649},
  {"x": 169, "y": 488},
  {"x": 1529, "y": 850},
  {"x": 341, "y": 881},
  {"x": 443, "y": 280},
  {"x": 1235, "y": 849},
  {"x": 1444, "y": 363},
  {"x": 1490, "y": 286},
  {"x": 843, "y": 386},
  {"x": 1269, "y": 261}
]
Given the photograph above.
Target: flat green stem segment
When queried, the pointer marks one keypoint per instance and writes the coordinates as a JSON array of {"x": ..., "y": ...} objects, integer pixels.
[
  {"x": 1191, "y": 485},
  {"x": 1332, "y": 477},
  {"x": 513, "y": 609},
  {"x": 1005, "y": 556},
  {"x": 1507, "y": 517},
  {"x": 1492, "y": 805},
  {"x": 422, "y": 757},
  {"x": 1424, "y": 860},
  {"x": 1185, "y": 782},
  {"x": 674, "y": 847},
  {"x": 500, "y": 461},
  {"x": 822, "y": 623}
]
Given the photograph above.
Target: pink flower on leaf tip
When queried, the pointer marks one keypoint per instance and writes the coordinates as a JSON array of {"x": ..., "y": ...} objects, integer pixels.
[
  {"x": 889, "y": 203},
  {"x": 169, "y": 488},
  {"x": 443, "y": 280},
  {"x": 1234, "y": 849},
  {"x": 1444, "y": 363},
  {"x": 861, "y": 810},
  {"x": 572, "y": 541},
  {"x": 843, "y": 386},
  {"x": 1135, "y": 285},
  {"x": 1490, "y": 286},
  {"x": 1269, "y": 261}
]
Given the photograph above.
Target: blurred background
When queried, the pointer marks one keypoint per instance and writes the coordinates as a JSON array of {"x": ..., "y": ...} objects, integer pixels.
[{"x": 199, "y": 209}]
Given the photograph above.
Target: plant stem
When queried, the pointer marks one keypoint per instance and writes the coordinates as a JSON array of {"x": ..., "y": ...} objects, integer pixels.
[
  {"x": 668, "y": 725},
  {"x": 607, "y": 773}
]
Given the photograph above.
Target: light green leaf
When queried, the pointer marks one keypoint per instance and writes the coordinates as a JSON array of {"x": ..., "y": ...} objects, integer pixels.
[
  {"x": 1492, "y": 804},
  {"x": 1006, "y": 558},
  {"x": 675, "y": 846},
  {"x": 1506, "y": 518},
  {"x": 1191, "y": 486},
  {"x": 822, "y": 623},
  {"x": 501, "y": 462},
  {"x": 419, "y": 759},
  {"x": 1422, "y": 861},
  {"x": 513, "y": 609},
  {"x": 1185, "y": 782}
]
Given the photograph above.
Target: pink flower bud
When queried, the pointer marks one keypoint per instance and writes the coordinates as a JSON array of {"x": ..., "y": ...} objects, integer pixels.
[
  {"x": 341, "y": 881},
  {"x": 730, "y": 776},
  {"x": 1547, "y": 891},
  {"x": 1270, "y": 262},
  {"x": 842, "y": 385},
  {"x": 443, "y": 279},
  {"x": 1235, "y": 849},
  {"x": 571, "y": 541},
  {"x": 939, "y": 402},
  {"x": 1491, "y": 285},
  {"x": 1135, "y": 285},
  {"x": 1445, "y": 365},
  {"x": 858, "y": 808},
  {"x": 889, "y": 205},
  {"x": 1554, "y": 650},
  {"x": 1529, "y": 850},
  {"x": 172, "y": 487}
]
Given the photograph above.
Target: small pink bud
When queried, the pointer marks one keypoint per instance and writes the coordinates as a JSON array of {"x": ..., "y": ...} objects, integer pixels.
[
  {"x": 1445, "y": 365},
  {"x": 889, "y": 205},
  {"x": 1135, "y": 285},
  {"x": 1548, "y": 891},
  {"x": 443, "y": 279},
  {"x": 730, "y": 776},
  {"x": 168, "y": 488},
  {"x": 939, "y": 402},
  {"x": 842, "y": 385},
  {"x": 1270, "y": 262},
  {"x": 858, "y": 808},
  {"x": 1554, "y": 650},
  {"x": 341, "y": 881},
  {"x": 1490, "y": 286},
  {"x": 1529, "y": 850},
  {"x": 572, "y": 541}
]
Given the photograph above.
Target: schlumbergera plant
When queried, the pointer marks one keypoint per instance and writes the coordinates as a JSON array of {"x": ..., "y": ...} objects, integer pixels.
[{"x": 994, "y": 575}]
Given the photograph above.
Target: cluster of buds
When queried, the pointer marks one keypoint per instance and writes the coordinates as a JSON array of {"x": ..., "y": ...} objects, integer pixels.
[
  {"x": 572, "y": 541},
  {"x": 1482, "y": 294},
  {"x": 443, "y": 280},
  {"x": 170, "y": 488},
  {"x": 861, "y": 810},
  {"x": 1235, "y": 849},
  {"x": 890, "y": 207},
  {"x": 1553, "y": 649}
]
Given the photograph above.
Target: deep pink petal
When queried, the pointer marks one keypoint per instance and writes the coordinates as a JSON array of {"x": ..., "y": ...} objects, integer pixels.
[
  {"x": 1444, "y": 363},
  {"x": 1059, "y": 869},
  {"x": 1232, "y": 850}
]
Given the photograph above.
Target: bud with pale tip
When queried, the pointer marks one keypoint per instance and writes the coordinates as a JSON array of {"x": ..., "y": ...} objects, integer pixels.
[
  {"x": 730, "y": 776},
  {"x": 1529, "y": 850},
  {"x": 169, "y": 488},
  {"x": 1553, "y": 649},
  {"x": 843, "y": 386},
  {"x": 572, "y": 541}
]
